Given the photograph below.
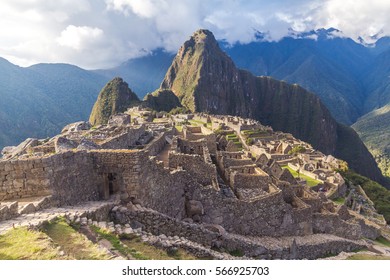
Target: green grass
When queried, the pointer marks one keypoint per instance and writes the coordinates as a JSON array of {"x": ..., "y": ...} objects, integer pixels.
[
  {"x": 231, "y": 136},
  {"x": 117, "y": 244},
  {"x": 197, "y": 122},
  {"x": 132, "y": 246},
  {"x": 383, "y": 241},
  {"x": 254, "y": 133},
  {"x": 74, "y": 244},
  {"x": 376, "y": 192},
  {"x": 310, "y": 181},
  {"x": 236, "y": 253},
  {"x": 367, "y": 257},
  {"x": 179, "y": 128},
  {"x": 339, "y": 200},
  {"x": 24, "y": 244}
]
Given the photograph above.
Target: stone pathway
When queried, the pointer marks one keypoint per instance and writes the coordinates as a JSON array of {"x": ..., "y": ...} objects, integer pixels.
[{"x": 37, "y": 218}]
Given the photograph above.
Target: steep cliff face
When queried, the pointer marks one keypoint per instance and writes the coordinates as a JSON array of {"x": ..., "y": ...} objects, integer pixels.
[
  {"x": 205, "y": 79},
  {"x": 114, "y": 98}
]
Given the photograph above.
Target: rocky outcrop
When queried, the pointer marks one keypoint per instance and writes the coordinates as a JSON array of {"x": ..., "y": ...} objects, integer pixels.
[
  {"x": 205, "y": 79},
  {"x": 114, "y": 98},
  {"x": 21, "y": 149},
  {"x": 75, "y": 127},
  {"x": 62, "y": 144}
]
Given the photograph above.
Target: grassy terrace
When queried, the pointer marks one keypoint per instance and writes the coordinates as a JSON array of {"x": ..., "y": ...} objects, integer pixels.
[
  {"x": 60, "y": 241},
  {"x": 257, "y": 133},
  {"x": 310, "y": 181},
  {"x": 200, "y": 123},
  {"x": 233, "y": 137},
  {"x": 339, "y": 200},
  {"x": 363, "y": 256},
  {"x": 23, "y": 244}
]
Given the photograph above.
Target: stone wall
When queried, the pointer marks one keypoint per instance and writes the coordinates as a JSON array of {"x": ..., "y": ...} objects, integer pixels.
[
  {"x": 74, "y": 178},
  {"x": 197, "y": 133},
  {"x": 125, "y": 165},
  {"x": 211, "y": 139},
  {"x": 305, "y": 172},
  {"x": 163, "y": 190},
  {"x": 191, "y": 147},
  {"x": 202, "y": 172},
  {"x": 252, "y": 218},
  {"x": 331, "y": 223},
  {"x": 158, "y": 144},
  {"x": 24, "y": 178},
  {"x": 249, "y": 181},
  {"x": 124, "y": 140}
]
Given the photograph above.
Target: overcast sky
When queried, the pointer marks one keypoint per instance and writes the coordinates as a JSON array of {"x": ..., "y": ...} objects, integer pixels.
[{"x": 103, "y": 33}]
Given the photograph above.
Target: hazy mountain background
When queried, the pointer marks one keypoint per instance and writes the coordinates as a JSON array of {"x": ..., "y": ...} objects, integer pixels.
[
  {"x": 39, "y": 100},
  {"x": 350, "y": 78}
]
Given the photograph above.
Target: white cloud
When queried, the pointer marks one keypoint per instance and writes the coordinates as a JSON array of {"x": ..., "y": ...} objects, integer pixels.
[
  {"x": 104, "y": 33},
  {"x": 79, "y": 37}
]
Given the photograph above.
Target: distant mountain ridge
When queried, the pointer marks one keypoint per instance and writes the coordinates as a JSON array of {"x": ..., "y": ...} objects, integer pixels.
[{"x": 38, "y": 101}]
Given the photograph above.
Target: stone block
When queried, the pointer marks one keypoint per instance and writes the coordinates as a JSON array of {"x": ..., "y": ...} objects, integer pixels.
[
  {"x": 27, "y": 209},
  {"x": 194, "y": 207}
]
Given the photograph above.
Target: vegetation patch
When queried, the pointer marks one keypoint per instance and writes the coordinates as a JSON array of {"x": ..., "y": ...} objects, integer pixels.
[
  {"x": 297, "y": 150},
  {"x": 310, "y": 181},
  {"x": 376, "y": 192},
  {"x": 23, "y": 244},
  {"x": 383, "y": 241},
  {"x": 339, "y": 200},
  {"x": 118, "y": 245},
  {"x": 197, "y": 122},
  {"x": 74, "y": 244},
  {"x": 254, "y": 133},
  {"x": 367, "y": 257},
  {"x": 236, "y": 253}
]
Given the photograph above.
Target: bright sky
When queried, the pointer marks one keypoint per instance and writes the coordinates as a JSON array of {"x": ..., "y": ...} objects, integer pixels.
[{"x": 103, "y": 33}]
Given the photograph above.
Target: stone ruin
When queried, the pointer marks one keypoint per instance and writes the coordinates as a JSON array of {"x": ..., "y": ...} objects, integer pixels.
[{"x": 185, "y": 183}]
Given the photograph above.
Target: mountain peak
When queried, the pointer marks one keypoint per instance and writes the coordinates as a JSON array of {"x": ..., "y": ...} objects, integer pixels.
[
  {"x": 199, "y": 59},
  {"x": 202, "y": 35},
  {"x": 115, "y": 97}
]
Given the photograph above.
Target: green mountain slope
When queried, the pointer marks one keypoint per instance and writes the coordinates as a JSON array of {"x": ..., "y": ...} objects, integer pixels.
[
  {"x": 374, "y": 130},
  {"x": 114, "y": 98}
]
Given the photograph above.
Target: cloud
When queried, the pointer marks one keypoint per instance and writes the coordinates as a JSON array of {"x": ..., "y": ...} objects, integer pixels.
[
  {"x": 79, "y": 37},
  {"x": 104, "y": 33}
]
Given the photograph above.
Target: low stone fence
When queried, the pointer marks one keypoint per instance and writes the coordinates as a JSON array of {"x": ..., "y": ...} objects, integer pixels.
[
  {"x": 331, "y": 223},
  {"x": 214, "y": 236},
  {"x": 9, "y": 211},
  {"x": 12, "y": 210}
]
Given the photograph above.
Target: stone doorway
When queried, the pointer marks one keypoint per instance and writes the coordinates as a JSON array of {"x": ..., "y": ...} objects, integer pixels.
[{"x": 111, "y": 185}]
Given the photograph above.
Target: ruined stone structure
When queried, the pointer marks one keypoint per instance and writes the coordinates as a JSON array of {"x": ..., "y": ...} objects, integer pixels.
[{"x": 214, "y": 196}]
